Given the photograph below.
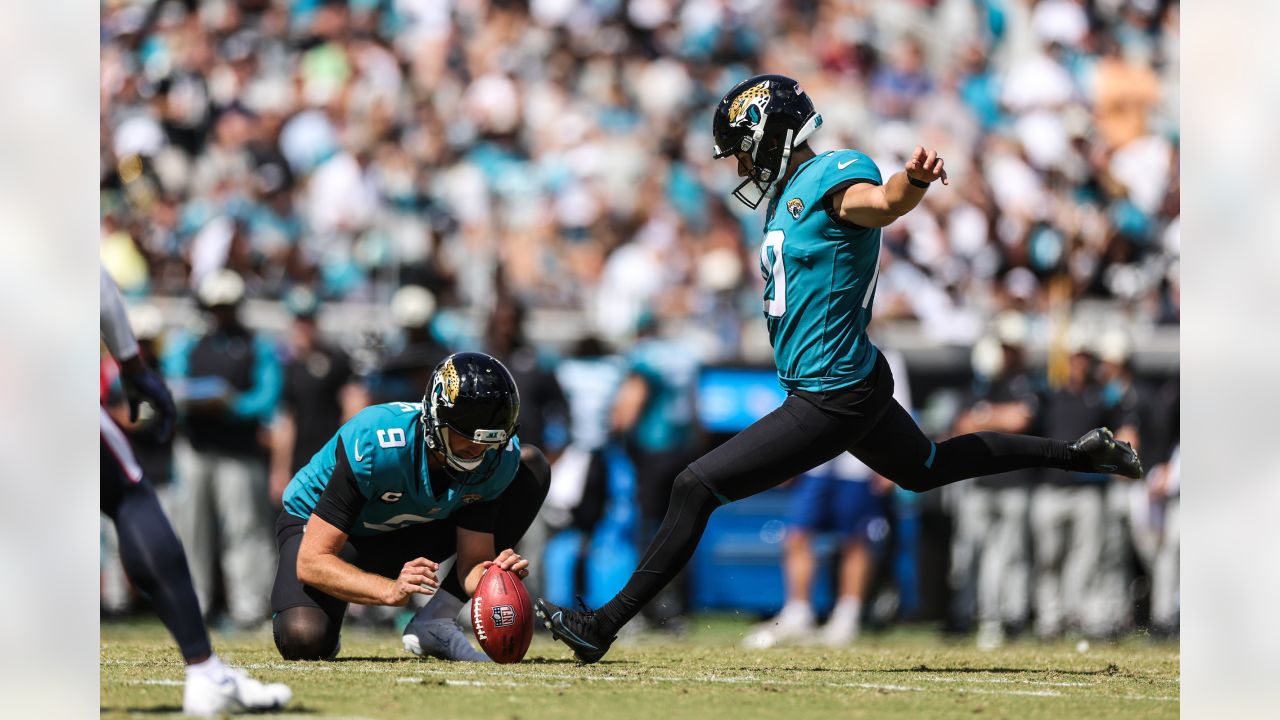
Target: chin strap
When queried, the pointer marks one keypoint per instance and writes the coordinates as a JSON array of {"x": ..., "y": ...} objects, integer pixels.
[
  {"x": 772, "y": 188},
  {"x": 769, "y": 188}
]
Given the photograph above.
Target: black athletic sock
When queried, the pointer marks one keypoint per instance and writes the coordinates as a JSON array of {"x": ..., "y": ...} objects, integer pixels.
[
  {"x": 154, "y": 561},
  {"x": 691, "y": 505},
  {"x": 989, "y": 453}
]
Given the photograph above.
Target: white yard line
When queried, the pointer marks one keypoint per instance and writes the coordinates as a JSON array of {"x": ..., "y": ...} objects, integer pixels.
[
  {"x": 480, "y": 678},
  {"x": 505, "y": 683},
  {"x": 939, "y": 678},
  {"x": 877, "y": 686},
  {"x": 981, "y": 691}
]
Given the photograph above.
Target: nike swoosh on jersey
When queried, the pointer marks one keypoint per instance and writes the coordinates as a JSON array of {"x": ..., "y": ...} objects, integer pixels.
[
  {"x": 358, "y": 457},
  {"x": 843, "y": 165}
]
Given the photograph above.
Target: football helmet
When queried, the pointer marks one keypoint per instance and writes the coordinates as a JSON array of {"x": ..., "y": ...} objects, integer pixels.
[
  {"x": 765, "y": 116},
  {"x": 475, "y": 396}
]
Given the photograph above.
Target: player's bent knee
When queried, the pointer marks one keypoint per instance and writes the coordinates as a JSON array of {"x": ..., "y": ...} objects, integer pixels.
[
  {"x": 305, "y": 646},
  {"x": 299, "y": 636},
  {"x": 688, "y": 487},
  {"x": 532, "y": 458}
]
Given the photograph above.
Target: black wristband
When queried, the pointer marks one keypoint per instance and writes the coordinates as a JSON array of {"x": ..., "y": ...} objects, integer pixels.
[{"x": 918, "y": 183}]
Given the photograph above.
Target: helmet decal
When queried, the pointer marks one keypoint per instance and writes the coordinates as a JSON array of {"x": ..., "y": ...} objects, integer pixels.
[
  {"x": 749, "y": 105},
  {"x": 449, "y": 376}
]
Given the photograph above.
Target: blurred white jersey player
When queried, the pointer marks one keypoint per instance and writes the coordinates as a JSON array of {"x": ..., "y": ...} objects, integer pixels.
[{"x": 151, "y": 553}]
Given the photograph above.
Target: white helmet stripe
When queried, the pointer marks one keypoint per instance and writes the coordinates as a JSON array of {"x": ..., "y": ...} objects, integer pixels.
[
  {"x": 772, "y": 189},
  {"x": 809, "y": 128}
]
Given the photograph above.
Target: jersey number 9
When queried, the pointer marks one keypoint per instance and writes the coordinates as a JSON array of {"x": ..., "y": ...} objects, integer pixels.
[{"x": 391, "y": 438}]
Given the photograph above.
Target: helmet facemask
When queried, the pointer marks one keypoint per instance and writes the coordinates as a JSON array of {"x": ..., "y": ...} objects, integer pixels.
[{"x": 768, "y": 166}]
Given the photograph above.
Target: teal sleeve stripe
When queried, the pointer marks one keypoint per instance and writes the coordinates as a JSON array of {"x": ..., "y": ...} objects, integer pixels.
[
  {"x": 261, "y": 399},
  {"x": 933, "y": 450}
]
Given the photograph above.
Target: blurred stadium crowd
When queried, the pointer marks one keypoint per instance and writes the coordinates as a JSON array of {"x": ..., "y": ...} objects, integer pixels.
[{"x": 486, "y": 159}]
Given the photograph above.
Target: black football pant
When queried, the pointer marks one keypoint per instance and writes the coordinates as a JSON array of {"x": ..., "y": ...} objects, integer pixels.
[
  {"x": 807, "y": 430},
  {"x": 150, "y": 551},
  {"x": 307, "y": 622}
]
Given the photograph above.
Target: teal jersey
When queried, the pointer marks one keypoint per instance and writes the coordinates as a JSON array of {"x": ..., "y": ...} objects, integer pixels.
[
  {"x": 385, "y": 448},
  {"x": 820, "y": 278},
  {"x": 670, "y": 369}
]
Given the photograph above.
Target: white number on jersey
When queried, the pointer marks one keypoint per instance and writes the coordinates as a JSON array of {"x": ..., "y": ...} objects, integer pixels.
[
  {"x": 875, "y": 277},
  {"x": 391, "y": 438},
  {"x": 775, "y": 269}
]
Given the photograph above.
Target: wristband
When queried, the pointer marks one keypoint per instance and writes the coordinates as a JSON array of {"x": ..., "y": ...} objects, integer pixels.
[{"x": 918, "y": 183}]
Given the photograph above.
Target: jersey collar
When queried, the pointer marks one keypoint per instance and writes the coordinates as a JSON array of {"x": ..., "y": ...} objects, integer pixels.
[
  {"x": 773, "y": 204},
  {"x": 438, "y": 484}
]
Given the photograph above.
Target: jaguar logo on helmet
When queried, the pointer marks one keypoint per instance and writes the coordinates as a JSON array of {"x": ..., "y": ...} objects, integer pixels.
[
  {"x": 795, "y": 206},
  {"x": 449, "y": 379},
  {"x": 749, "y": 105}
]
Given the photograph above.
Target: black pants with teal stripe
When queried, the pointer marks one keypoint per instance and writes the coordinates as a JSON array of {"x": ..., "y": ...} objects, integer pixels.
[{"x": 809, "y": 429}]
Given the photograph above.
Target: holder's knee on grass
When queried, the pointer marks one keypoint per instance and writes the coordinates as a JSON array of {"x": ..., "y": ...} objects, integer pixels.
[{"x": 305, "y": 633}]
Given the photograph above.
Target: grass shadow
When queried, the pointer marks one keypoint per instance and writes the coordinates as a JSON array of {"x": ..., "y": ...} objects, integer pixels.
[
  {"x": 571, "y": 661},
  {"x": 292, "y": 709},
  {"x": 407, "y": 660}
]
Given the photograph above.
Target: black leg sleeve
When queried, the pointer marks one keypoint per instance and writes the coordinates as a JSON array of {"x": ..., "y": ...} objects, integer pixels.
[
  {"x": 306, "y": 632},
  {"x": 691, "y": 505},
  {"x": 305, "y": 622},
  {"x": 898, "y": 450},
  {"x": 794, "y": 438}
]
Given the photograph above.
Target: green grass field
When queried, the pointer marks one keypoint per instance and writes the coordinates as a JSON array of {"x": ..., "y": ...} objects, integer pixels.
[{"x": 905, "y": 673}]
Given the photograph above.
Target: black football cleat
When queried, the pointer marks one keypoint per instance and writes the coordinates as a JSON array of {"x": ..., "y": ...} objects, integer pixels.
[
  {"x": 576, "y": 628},
  {"x": 1108, "y": 454}
]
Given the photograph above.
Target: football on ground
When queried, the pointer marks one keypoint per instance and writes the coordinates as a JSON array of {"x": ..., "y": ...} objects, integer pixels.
[{"x": 502, "y": 615}]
